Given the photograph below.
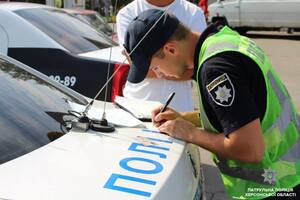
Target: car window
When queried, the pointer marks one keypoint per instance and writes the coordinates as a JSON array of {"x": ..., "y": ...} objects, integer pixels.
[
  {"x": 73, "y": 34},
  {"x": 97, "y": 22},
  {"x": 31, "y": 111}
]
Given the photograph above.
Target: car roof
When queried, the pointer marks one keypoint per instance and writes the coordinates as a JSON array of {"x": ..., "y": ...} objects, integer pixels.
[{"x": 13, "y": 6}]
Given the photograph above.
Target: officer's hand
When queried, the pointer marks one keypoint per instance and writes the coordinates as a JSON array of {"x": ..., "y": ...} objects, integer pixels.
[
  {"x": 160, "y": 118},
  {"x": 179, "y": 128}
]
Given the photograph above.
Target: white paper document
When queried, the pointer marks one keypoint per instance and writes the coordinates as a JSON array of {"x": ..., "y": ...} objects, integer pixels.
[{"x": 141, "y": 109}]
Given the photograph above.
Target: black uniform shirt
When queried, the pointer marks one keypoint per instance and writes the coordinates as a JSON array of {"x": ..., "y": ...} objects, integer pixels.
[{"x": 232, "y": 88}]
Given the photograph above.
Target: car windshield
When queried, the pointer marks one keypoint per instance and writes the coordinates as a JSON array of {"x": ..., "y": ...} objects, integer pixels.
[
  {"x": 73, "y": 34},
  {"x": 31, "y": 111}
]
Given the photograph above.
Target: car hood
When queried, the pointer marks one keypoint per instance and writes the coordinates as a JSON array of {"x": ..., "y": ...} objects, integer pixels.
[
  {"x": 104, "y": 54},
  {"x": 93, "y": 165}
]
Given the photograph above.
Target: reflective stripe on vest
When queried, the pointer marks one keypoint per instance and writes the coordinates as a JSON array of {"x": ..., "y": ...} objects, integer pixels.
[
  {"x": 216, "y": 47},
  {"x": 284, "y": 119},
  {"x": 262, "y": 176},
  {"x": 286, "y": 115}
]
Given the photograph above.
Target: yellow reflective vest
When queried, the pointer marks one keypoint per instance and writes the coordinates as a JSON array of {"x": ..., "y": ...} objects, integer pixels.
[{"x": 280, "y": 167}]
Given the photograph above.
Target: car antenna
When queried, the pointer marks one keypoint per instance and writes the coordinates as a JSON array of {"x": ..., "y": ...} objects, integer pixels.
[{"x": 103, "y": 125}]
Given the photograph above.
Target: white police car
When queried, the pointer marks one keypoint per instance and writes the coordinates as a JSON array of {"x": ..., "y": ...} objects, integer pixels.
[
  {"x": 42, "y": 157},
  {"x": 61, "y": 46}
]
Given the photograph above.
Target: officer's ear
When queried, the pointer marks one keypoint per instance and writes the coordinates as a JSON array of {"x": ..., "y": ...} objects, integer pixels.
[{"x": 170, "y": 48}]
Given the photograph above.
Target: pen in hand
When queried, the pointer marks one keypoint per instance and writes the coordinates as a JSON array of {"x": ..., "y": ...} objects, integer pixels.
[{"x": 163, "y": 109}]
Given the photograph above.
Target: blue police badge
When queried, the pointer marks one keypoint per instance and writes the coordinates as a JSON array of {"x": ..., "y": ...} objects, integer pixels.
[{"x": 221, "y": 90}]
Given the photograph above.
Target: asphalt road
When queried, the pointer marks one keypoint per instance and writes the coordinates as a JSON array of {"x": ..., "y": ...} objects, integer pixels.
[{"x": 284, "y": 52}]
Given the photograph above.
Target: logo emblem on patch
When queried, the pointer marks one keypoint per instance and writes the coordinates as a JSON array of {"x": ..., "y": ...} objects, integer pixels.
[
  {"x": 269, "y": 176},
  {"x": 221, "y": 90}
]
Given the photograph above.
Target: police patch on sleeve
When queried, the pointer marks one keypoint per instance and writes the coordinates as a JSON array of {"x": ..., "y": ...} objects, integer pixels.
[{"x": 221, "y": 90}]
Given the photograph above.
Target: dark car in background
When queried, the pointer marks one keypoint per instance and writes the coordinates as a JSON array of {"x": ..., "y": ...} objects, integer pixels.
[{"x": 61, "y": 46}]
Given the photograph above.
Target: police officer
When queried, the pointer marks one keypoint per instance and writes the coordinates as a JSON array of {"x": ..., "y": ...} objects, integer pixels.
[{"x": 248, "y": 119}]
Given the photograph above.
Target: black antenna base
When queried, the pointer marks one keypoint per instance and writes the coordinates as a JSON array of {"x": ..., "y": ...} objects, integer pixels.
[{"x": 102, "y": 126}]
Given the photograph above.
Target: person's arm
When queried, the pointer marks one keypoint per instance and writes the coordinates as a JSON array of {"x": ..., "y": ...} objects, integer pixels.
[
  {"x": 198, "y": 21},
  {"x": 122, "y": 21},
  {"x": 245, "y": 144},
  {"x": 193, "y": 117}
]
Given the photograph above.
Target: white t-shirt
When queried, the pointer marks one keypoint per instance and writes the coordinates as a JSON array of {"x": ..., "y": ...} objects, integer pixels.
[{"x": 156, "y": 89}]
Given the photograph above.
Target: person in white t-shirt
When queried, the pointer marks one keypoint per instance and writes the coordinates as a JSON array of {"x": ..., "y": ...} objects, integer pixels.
[{"x": 156, "y": 87}]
